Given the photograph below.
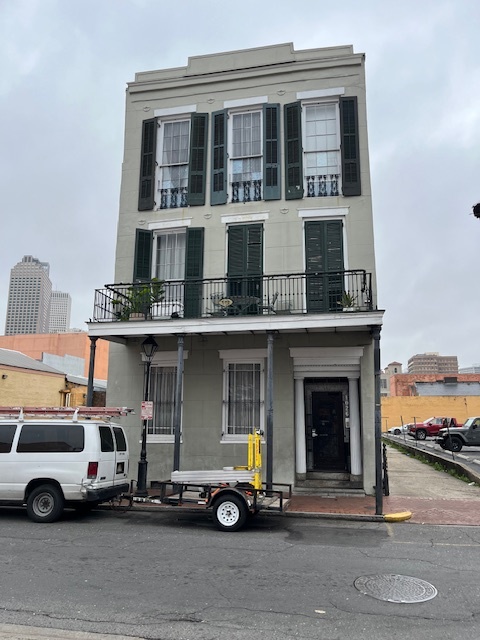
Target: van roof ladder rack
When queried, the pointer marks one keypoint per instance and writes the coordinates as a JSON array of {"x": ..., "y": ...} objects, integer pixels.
[{"x": 65, "y": 412}]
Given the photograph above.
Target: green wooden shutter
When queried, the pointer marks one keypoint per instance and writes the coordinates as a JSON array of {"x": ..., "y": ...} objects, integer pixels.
[
  {"x": 293, "y": 151},
  {"x": 194, "y": 272},
  {"x": 146, "y": 190},
  {"x": 254, "y": 257},
  {"x": 271, "y": 151},
  {"x": 245, "y": 260},
  {"x": 350, "y": 147},
  {"x": 324, "y": 265},
  {"x": 142, "y": 262},
  {"x": 219, "y": 158},
  {"x": 198, "y": 159}
]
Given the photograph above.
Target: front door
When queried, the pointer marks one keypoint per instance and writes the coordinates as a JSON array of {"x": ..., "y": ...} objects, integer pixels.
[{"x": 325, "y": 431}]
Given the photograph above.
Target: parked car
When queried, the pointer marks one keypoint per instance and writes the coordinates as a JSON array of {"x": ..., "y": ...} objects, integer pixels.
[
  {"x": 466, "y": 436},
  {"x": 398, "y": 431},
  {"x": 431, "y": 427},
  {"x": 49, "y": 463}
]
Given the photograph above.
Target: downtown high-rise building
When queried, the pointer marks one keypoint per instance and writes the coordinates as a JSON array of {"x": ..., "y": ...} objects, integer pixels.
[
  {"x": 60, "y": 308},
  {"x": 29, "y": 295}
]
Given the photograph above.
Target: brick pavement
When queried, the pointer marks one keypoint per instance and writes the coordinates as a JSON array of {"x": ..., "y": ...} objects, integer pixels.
[
  {"x": 428, "y": 496},
  {"x": 431, "y": 496}
]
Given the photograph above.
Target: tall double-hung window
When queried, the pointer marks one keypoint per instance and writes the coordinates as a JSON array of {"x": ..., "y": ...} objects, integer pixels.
[
  {"x": 322, "y": 150},
  {"x": 172, "y": 164},
  {"x": 322, "y": 157},
  {"x": 243, "y": 397},
  {"x": 174, "y": 256},
  {"x": 162, "y": 393},
  {"x": 246, "y": 157},
  {"x": 173, "y": 160},
  {"x": 245, "y": 154}
]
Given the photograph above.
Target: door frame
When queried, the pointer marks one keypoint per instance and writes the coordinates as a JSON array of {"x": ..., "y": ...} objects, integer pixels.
[{"x": 325, "y": 385}]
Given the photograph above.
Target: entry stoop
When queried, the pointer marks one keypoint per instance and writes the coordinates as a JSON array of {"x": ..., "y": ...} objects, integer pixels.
[{"x": 332, "y": 483}]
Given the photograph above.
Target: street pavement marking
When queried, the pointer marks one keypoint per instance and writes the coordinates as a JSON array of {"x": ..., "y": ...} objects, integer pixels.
[
  {"x": 21, "y": 632},
  {"x": 438, "y": 544}
]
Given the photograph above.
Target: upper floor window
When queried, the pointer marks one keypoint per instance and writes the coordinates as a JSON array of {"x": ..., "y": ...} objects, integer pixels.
[
  {"x": 173, "y": 162},
  {"x": 322, "y": 155},
  {"x": 245, "y": 155},
  {"x": 322, "y": 150}
]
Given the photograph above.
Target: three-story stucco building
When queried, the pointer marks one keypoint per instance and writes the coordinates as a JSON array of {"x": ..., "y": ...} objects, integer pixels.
[{"x": 245, "y": 249}]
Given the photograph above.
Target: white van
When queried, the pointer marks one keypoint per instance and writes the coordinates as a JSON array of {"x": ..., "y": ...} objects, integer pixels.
[{"x": 49, "y": 463}]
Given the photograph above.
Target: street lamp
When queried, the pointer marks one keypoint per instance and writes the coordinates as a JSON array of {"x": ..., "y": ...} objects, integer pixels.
[{"x": 149, "y": 348}]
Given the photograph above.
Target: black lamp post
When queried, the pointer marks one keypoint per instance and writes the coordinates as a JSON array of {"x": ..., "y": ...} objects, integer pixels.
[{"x": 149, "y": 348}]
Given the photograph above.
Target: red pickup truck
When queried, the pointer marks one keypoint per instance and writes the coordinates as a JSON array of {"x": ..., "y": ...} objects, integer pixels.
[{"x": 431, "y": 427}]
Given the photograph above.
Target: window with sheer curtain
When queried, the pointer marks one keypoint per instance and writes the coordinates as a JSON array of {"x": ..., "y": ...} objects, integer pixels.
[
  {"x": 246, "y": 156},
  {"x": 322, "y": 149},
  {"x": 173, "y": 170},
  {"x": 243, "y": 398},
  {"x": 162, "y": 393}
]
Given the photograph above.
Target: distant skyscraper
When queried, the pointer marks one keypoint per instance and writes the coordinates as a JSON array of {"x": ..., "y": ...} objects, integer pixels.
[
  {"x": 432, "y": 362},
  {"x": 60, "y": 307},
  {"x": 29, "y": 293}
]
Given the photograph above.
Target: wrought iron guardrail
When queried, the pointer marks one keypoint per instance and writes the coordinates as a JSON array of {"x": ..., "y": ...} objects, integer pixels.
[{"x": 312, "y": 292}]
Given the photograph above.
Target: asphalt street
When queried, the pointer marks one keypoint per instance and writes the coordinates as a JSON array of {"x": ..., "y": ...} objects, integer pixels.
[{"x": 174, "y": 577}]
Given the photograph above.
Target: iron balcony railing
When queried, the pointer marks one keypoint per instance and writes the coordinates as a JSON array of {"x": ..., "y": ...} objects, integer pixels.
[{"x": 312, "y": 292}]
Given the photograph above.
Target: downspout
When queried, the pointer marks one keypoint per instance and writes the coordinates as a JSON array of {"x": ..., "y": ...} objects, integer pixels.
[
  {"x": 178, "y": 407},
  {"x": 91, "y": 367},
  {"x": 375, "y": 332},
  {"x": 269, "y": 407}
]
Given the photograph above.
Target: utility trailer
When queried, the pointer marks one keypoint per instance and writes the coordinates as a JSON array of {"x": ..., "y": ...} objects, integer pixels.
[{"x": 231, "y": 494}]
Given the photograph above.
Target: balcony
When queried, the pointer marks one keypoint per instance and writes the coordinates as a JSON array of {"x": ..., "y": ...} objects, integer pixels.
[{"x": 228, "y": 298}]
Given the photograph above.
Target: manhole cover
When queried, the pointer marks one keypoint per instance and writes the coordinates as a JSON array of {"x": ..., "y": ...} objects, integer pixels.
[{"x": 393, "y": 588}]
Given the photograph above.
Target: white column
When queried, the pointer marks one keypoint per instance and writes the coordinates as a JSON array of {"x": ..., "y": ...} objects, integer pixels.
[
  {"x": 355, "y": 436},
  {"x": 300, "y": 443}
]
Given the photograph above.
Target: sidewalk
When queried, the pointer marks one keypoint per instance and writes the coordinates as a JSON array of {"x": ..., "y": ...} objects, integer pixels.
[
  {"x": 418, "y": 493},
  {"x": 431, "y": 496}
]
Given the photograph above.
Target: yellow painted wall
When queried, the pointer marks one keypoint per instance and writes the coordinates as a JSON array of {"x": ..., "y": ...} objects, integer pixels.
[
  {"x": 420, "y": 408},
  {"x": 26, "y": 388}
]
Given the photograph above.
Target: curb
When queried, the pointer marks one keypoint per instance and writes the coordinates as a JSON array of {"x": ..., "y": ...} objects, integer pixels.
[{"x": 397, "y": 517}]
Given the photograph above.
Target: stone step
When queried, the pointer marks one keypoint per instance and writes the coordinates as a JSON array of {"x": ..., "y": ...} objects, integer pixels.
[{"x": 328, "y": 492}]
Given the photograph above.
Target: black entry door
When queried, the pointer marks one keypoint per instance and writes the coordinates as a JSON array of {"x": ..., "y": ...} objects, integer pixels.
[{"x": 325, "y": 432}]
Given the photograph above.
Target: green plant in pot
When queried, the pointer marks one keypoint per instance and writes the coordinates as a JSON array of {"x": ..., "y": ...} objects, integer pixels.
[
  {"x": 138, "y": 299},
  {"x": 348, "y": 301}
]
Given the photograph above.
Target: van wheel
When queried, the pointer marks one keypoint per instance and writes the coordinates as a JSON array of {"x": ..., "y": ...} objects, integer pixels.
[
  {"x": 45, "y": 503},
  {"x": 230, "y": 513}
]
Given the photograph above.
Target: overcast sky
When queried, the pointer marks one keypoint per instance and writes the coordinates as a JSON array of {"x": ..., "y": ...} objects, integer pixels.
[{"x": 64, "y": 68}]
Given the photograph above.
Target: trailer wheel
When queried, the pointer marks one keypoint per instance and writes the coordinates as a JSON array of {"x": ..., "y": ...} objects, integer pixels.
[
  {"x": 45, "y": 503},
  {"x": 230, "y": 513}
]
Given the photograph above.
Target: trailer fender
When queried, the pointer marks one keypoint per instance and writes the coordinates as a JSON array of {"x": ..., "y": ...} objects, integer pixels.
[{"x": 221, "y": 492}]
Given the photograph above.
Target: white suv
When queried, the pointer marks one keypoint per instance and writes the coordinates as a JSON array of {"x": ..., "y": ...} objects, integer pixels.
[{"x": 50, "y": 463}]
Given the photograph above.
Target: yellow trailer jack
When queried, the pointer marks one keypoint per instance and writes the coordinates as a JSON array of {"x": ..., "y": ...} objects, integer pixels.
[{"x": 254, "y": 458}]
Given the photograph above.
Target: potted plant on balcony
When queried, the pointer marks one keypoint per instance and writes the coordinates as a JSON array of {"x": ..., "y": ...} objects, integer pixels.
[
  {"x": 348, "y": 301},
  {"x": 136, "y": 302}
]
